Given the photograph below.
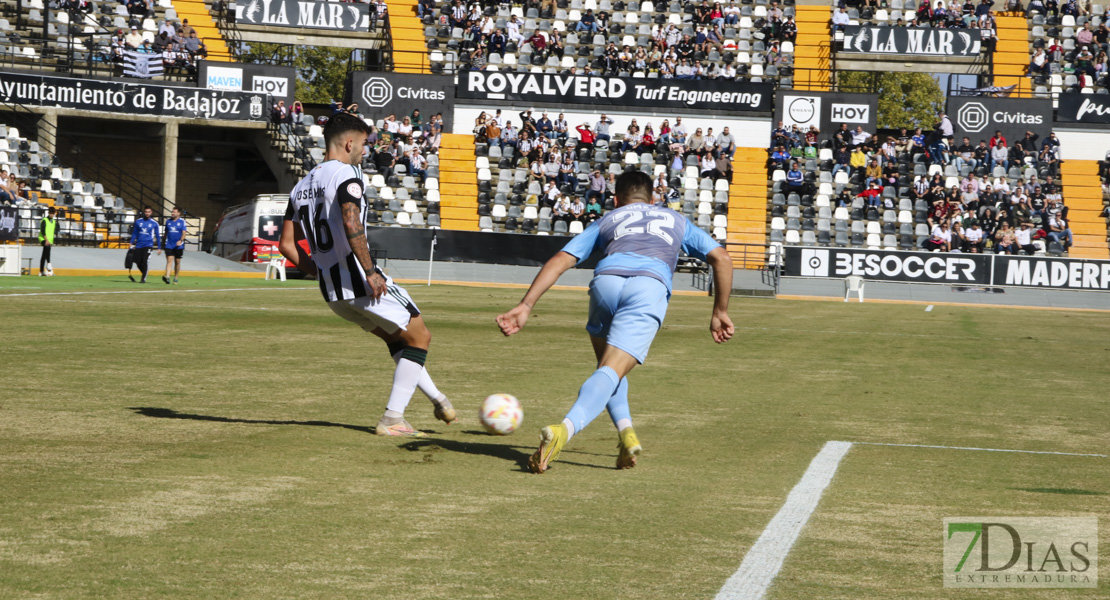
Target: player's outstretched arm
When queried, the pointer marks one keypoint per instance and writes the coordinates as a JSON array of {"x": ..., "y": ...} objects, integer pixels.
[
  {"x": 514, "y": 320},
  {"x": 720, "y": 325},
  {"x": 292, "y": 251}
]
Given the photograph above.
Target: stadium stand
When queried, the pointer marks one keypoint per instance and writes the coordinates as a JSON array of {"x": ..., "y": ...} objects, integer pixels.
[
  {"x": 88, "y": 214},
  {"x": 398, "y": 195},
  {"x": 92, "y": 38},
  {"x": 528, "y": 192},
  {"x": 920, "y": 183},
  {"x": 755, "y": 45}
]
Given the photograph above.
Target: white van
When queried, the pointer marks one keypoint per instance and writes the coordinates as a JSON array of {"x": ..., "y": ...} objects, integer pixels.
[{"x": 250, "y": 232}]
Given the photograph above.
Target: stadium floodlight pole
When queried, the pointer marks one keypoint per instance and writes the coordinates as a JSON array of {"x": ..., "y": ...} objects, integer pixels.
[{"x": 431, "y": 255}]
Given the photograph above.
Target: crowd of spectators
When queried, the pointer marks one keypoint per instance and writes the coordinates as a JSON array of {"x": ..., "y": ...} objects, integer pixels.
[
  {"x": 700, "y": 48},
  {"x": 177, "y": 43},
  {"x": 970, "y": 194},
  {"x": 569, "y": 166},
  {"x": 1069, "y": 40}
]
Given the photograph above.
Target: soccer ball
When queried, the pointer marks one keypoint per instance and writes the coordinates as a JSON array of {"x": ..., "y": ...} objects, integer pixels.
[{"x": 501, "y": 414}]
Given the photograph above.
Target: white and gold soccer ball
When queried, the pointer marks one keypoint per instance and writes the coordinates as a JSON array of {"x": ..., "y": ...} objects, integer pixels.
[{"x": 501, "y": 414}]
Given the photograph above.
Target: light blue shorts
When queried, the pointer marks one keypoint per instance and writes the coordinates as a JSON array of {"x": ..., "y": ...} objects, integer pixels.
[{"x": 627, "y": 311}]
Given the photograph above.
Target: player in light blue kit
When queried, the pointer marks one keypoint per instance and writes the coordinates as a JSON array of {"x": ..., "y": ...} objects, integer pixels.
[{"x": 628, "y": 300}]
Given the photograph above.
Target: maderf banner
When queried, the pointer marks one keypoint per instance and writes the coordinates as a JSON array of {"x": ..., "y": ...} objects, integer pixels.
[
  {"x": 721, "y": 96},
  {"x": 132, "y": 98},
  {"x": 1083, "y": 108},
  {"x": 9, "y": 224},
  {"x": 918, "y": 41},
  {"x": 948, "y": 268},
  {"x": 336, "y": 16}
]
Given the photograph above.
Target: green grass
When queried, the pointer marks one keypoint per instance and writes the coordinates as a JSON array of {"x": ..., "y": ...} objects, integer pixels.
[{"x": 218, "y": 444}]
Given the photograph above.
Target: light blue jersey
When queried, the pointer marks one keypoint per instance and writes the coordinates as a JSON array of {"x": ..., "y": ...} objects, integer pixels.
[
  {"x": 641, "y": 240},
  {"x": 632, "y": 283}
]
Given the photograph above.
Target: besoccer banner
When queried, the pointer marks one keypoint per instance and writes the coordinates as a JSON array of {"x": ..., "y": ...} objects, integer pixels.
[{"x": 132, "y": 98}]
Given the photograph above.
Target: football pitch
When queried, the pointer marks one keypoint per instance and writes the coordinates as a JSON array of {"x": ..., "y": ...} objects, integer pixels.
[{"x": 215, "y": 440}]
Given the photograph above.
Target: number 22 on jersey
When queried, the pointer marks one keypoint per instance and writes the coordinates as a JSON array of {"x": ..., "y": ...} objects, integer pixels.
[{"x": 658, "y": 223}]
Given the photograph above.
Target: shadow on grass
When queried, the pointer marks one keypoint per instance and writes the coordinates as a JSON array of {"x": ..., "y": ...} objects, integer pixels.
[
  {"x": 169, "y": 413},
  {"x": 517, "y": 454},
  {"x": 1065, "y": 491}
]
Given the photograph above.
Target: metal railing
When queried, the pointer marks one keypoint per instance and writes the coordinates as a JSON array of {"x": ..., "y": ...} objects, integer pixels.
[{"x": 93, "y": 167}]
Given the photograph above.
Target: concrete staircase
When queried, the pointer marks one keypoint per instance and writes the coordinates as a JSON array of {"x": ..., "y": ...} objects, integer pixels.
[
  {"x": 410, "y": 52},
  {"x": 197, "y": 11},
  {"x": 813, "y": 48},
  {"x": 458, "y": 183},
  {"x": 1082, "y": 190},
  {"x": 747, "y": 208},
  {"x": 1011, "y": 55}
]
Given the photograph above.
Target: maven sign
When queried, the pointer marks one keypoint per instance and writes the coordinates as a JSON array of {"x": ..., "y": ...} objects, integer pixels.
[
  {"x": 718, "y": 95},
  {"x": 948, "y": 268},
  {"x": 132, "y": 98},
  {"x": 912, "y": 40},
  {"x": 306, "y": 14}
]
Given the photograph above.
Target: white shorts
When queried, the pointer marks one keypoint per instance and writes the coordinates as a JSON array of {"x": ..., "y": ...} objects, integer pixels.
[{"x": 391, "y": 313}]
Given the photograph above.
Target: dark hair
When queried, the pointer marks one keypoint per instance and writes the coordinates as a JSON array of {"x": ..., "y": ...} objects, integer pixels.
[
  {"x": 342, "y": 123},
  {"x": 633, "y": 184}
]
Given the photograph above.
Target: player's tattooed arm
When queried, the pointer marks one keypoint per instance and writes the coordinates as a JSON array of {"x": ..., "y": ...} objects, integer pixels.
[{"x": 356, "y": 237}]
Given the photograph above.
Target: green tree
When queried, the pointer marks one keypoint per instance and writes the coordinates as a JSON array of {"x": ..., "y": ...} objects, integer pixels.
[
  {"x": 321, "y": 71},
  {"x": 905, "y": 99}
]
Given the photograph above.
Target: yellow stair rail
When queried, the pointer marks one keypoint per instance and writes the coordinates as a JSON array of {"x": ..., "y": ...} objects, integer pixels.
[
  {"x": 1082, "y": 191},
  {"x": 458, "y": 183},
  {"x": 747, "y": 208}
]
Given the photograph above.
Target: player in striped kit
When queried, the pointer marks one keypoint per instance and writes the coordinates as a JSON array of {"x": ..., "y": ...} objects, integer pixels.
[{"x": 327, "y": 209}]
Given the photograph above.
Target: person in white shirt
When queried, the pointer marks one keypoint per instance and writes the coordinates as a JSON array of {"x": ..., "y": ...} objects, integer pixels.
[
  {"x": 1024, "y": 238},
  {"x": 941, "y": 239},
  {"x": 945, "y": 125},
  {"x": 678, "y": 132},
  {"x": 973, "y": 238},
  {"x": 840, "y": 19},
  {"x": 708, "y": 165},
  {"x": 514, "y": 33},
  {"x": 859, "y": 136}
]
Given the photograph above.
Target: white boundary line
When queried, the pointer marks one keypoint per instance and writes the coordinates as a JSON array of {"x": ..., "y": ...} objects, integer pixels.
[
  {"x": 980, "y": 449},
  {"x": 154, "y": 291},
  {"x": 765, "y": 558}
]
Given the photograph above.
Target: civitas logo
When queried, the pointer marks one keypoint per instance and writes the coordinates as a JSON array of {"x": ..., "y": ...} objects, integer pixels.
[
  {"x": 377, "y": 92},
  {"x": 802, "y": 110},
  {"x": 973, "y": 117}
]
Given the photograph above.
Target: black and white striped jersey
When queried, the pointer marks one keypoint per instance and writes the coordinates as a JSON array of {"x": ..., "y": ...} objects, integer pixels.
[{"x": 315, "y": 203}]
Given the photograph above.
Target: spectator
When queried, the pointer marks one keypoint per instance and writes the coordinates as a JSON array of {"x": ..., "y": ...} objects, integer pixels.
[
  {"x": 134, "y": 39},
  {"x": 1004, "y": 240},
  {"x": 973, "y": 238},
  {"x": 872, "y": 195},
  {"x": 601, "y": 130},
  {"x": 940, "y": 240},
  {"x": 998, "y": 138},
  {"x": 1058, "y": 231},
  {"x": 588, "y": 23},
  {"x": 840, "y": 19},
  {"x": 858, "y": 160},
  {"x": 508, "y": 136},
  {"x": 724, "y": 167},
  {"x": 418, "y": 165},
  {"x": 1023, "y": 237},
  {"x": 279, "y": 113},
  {"x": 795, "y": 181},
  {"x": 945, "y": 126},
  {"x": 593, "y": 210},
  {"x": 1000, "y": 156},
  {"x": 578, "y": 210}
]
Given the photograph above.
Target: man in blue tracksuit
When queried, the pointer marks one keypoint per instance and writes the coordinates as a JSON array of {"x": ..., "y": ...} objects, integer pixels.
[
  {"x": 175, "y": 244},
  {"x": 146, "y": 235}
]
